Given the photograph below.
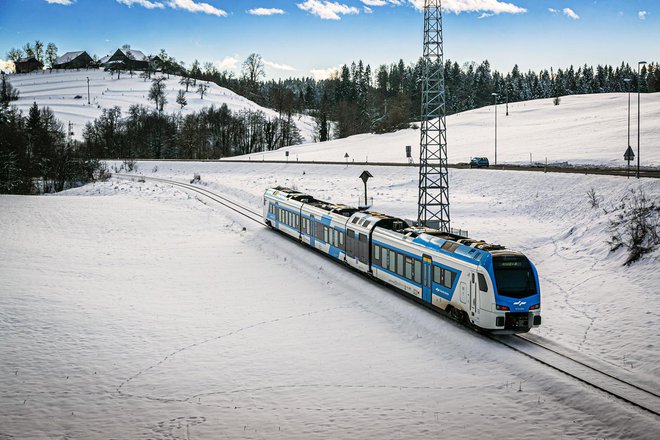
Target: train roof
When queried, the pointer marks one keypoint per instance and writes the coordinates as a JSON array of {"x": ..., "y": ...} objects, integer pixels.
[
  {"x": 291, "y": 194},
  {"x": 433, "y": 239}
]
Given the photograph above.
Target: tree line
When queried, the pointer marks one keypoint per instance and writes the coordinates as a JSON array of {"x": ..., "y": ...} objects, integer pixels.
[
  {"x": 37, "y": 153},
  {"x": 360, "y": 100},
  {"x": 210, "y": 133}
]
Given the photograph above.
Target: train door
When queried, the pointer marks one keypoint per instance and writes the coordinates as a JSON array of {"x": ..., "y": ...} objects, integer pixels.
[
  {"x": 427, "y": 277},
  {"x": 473, "y": 294}
]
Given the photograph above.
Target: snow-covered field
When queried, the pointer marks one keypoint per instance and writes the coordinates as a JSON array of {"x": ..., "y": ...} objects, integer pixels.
[
  {"x": 58, "y": 90},
  {"x": 582, "y": 130},
  {"x": 133, "y": 310}
]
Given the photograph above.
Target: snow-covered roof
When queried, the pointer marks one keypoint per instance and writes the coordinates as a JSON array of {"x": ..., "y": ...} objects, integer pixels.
[
  {"x": 105, "y": 59},
  {"x": 26, "y": 59},
  {"x": 69, "y": 56},
  {"x": 136, "y": 54}
]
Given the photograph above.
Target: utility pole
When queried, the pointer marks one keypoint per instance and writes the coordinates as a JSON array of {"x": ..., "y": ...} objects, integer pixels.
[
  {"x": 495, "y": 95},
  {"x": 639, "y": 107},
  {"x": 433, "y": 201},
  {"x": 88, "y": 91}
]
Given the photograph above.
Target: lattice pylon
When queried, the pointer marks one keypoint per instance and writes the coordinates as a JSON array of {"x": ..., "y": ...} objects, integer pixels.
[{"x": 433, "y": 178}]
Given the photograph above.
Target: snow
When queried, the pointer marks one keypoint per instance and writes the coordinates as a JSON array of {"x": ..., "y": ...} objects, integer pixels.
[
  {"x": 135, "y": 310},
  {"x": 68, "y": 57},
  {"x": 58, "y": 89},
  {"x": 582, "y": 130}
]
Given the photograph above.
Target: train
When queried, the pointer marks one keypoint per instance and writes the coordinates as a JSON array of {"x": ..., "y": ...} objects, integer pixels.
[{"x": 485, "y": 286}]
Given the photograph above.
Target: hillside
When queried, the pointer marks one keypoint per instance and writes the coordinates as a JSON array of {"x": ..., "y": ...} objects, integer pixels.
[
  {"x": 58, "y": 90},
  {"x": 583, "y": 129}
]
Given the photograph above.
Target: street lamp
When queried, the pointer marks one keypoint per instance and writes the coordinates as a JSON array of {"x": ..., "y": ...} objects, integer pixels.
[
  {"x": 88, "y": 91},
  {"x": 627, "y": 81},
  {"x": 639, "y": 82},
  {"x": 495, "y": 95}
]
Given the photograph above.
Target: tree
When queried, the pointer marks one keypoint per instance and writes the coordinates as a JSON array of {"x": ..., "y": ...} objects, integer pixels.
[
  {"x": 28, "y": 50},
  {"x": 253, "y": 69},
  {"x": 202, "y": 90},
  {"x": 39, "y": 51},
  {"x": 181, "y": 98},
  {"x": 186, "y": 81},
  {"x": 51, "y": 55},
  {"x": 157, "y": 92},
  {"x": 15, "y": 54}
]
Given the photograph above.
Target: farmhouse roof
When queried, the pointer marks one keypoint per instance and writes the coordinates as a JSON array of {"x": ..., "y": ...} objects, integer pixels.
[{"x": 69, "y": 56}]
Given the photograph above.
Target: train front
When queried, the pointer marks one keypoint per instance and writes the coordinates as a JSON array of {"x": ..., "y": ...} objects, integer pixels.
[{"x": 517, "y": 292}]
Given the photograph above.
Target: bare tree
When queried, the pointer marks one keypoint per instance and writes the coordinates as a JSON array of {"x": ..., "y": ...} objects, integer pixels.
[
  {"x": 51, "y": 55},
  {"x": 15, "y": 54},
  {"x": 186, "y": 81},
  {"x": 253, "y": 68},
  {"x": 202, "y": 90},
  {"x": 181, "y": 98},
  {"x": 39, "y": 51},
  {"x": 157, "y": 93}
]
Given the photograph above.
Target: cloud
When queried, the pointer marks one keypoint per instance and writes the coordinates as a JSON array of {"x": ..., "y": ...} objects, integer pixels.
[
  {"x": 278, "y": 66},
  {"x": 60, "y": 2},
  {"x": 553, "y": 10},
  {"x": 144, "y": 3},
  {"x": 642, "y": 15},
  {"x": 327, "y": 10},
  {"x": 191, "y": 6},
  {"x": 382, "y": 2},
  {"x": 227, "y": 63},
  {"x": 320, "y": 74},
  {"x": 570, "y": 13},
  {"x": 458, "y": 6},
  {"x": 265, "y": 11}
]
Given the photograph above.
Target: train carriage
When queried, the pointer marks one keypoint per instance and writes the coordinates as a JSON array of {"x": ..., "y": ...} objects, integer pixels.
[{"x": 485, "y": 285}]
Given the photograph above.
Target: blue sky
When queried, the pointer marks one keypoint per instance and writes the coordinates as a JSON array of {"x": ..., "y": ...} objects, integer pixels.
[{"x": 301, "y": 37}]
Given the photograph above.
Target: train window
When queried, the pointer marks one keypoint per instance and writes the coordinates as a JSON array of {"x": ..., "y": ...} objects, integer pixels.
[
  {"x": 483, "y": 286},
  {"x": 448, "y": 279},
  {"x": 418, "y": 272},
  {"x": 355, "y": 220},
  {"x": 409, "y": 268},
  {"x": 363, "y": 237},
  {"x": 341, "y": 239},
  {"x": 437, "y": 274},
  {"x": 376, "y": 252},
  {"x": 366, "y": 223},
  {"x": 399, "y": 264},
  {"x": 325, "y": 234}
]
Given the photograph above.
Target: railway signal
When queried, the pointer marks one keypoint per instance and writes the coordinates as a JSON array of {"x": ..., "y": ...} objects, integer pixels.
[
  {"x": 629, "y": 155},
  {"x": 365, "y": 176}
]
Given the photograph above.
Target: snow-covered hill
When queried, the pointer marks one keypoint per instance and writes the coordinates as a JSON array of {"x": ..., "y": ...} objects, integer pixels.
[
  {"x": 58, "y": 90},
  {"x": 583, "y": 129}
]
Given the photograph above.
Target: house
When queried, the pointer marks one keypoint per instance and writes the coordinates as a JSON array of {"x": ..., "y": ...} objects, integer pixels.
[
  {"x": 73, "y": 60},
  {"x": 127, "y": 59},
  {"x": 27, "y": 65}
]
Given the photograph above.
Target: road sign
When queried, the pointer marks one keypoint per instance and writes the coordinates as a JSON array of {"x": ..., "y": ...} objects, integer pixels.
[
  {"x": 365, "y": 176},
  {"x": 629, "y": 154}
]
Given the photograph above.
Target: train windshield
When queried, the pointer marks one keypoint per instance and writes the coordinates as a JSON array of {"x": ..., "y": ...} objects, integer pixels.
[{"x": 514, "y": 276}]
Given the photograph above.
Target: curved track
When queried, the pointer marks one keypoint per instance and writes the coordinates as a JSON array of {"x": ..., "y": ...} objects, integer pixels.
[
  {"x": 608, "y": 383},
  {"x": 228, "y": 203},
  {"x": 624, "y": 390}
]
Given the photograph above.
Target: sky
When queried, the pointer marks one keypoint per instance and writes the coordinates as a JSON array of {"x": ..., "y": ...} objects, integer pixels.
[{"x": 311, "y": 37}]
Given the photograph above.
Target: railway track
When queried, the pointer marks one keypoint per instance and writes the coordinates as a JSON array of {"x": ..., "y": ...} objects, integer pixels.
[
  {"x": 608, "y": 383},
  {"x": 527, "y": 345},
  {"x": 243, "y": 210}
]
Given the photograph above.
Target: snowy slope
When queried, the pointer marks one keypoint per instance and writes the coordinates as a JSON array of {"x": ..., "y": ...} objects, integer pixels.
[
  {"x": 57, "y": 90},
  {"x": 583, "y": 129},
  {"x": 133, "y": 310}
]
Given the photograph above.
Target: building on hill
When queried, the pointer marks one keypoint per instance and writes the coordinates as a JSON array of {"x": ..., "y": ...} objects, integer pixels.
[
  {"x": 127, "y": 59},
  {"x": 74, "y": 60},
  {"x": 27, "y": 65}
]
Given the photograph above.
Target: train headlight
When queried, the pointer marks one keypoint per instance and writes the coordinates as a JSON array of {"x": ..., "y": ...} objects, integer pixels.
[
  {"x": 499, "y": 307},
  {"x": 535, "y": 307}
]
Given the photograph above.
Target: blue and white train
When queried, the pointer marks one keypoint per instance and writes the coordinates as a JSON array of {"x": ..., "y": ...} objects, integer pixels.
[{"x": 483, "y": 285}]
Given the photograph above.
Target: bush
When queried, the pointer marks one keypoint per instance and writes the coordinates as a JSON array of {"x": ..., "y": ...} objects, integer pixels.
[{"x": 636, "y": 227}]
